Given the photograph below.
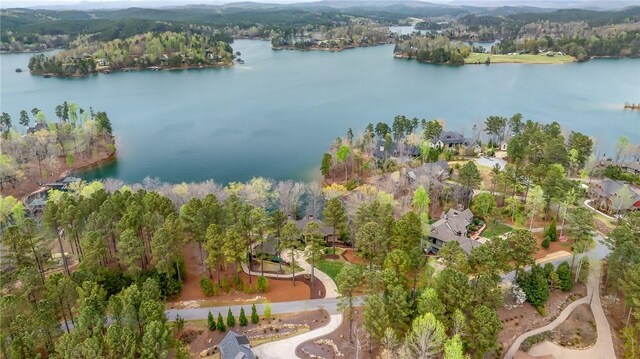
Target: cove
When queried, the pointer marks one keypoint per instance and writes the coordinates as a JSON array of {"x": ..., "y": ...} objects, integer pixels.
[{"x": 275, "y": 115}]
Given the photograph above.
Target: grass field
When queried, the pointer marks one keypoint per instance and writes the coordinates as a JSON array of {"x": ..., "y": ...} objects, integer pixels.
[
  {"x": 494, "y": 230},
  {"x": 331, "y": 267},
  {"x": 518, "y": 59}
]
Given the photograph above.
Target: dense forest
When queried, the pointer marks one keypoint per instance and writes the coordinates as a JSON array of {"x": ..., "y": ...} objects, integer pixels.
[
  {"x": 167, "y": 49},
  {"x": 438, "y": 50}
]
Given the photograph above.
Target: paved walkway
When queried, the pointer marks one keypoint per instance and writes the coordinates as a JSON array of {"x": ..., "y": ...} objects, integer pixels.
[
  {"x": 286, "y": 348},
  {"x": 603, "y": 348},
  {"x": 329, "y": 284}
]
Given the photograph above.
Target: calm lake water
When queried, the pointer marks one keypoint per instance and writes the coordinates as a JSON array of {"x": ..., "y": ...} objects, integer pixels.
[{"x": 275, "y": 115}]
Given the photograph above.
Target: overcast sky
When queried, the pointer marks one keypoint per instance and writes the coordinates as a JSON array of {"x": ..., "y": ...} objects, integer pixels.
[{"x": 84, "y": 4}]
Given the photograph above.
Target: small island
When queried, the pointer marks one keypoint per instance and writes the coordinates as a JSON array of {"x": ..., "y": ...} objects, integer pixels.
[
  {"x": 51, "y": 149},
  {"x": 151, "y": 51}
]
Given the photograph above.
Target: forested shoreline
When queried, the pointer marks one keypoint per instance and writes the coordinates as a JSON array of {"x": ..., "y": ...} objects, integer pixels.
[
  {"x": 162, "y": 50},
  {"x": 47, "y": 150}
]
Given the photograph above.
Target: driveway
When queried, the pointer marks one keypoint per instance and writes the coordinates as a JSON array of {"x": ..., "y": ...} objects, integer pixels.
[
  {"x": 603, "y": 348},
  {"x": 491, "y": 162},
  {"x": 286, "y": 348}
]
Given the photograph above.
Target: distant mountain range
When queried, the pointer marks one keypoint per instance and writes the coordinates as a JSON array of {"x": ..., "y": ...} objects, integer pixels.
[{"x": 522, "y": 5}]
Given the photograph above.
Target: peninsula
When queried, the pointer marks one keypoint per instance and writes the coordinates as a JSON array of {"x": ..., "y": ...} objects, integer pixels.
[{"x": 154, "y": 51}]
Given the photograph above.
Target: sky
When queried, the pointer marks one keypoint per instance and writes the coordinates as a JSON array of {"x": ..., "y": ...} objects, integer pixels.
[{"x": 86, "y": 4}]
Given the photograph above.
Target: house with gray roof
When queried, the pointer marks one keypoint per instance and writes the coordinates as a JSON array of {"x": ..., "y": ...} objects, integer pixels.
[
  {"x": 452, "y": 226},
  {"x": 235, "y": 346},
  {"x": 614, "y": 196},
  {"x": 452, "y": 139},
  {"x": 327, "y": 231},
  {"x": 394, "y": 150}
]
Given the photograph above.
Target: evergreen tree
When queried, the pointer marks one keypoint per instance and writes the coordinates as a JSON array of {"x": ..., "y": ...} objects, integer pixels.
[
  {"x": 564, "y": 276},
  {"x": 220, "y": 324},
  {"x": 243, "y": 318},
  {"x": 211, "y": 322},
  {"x": 231, "y": 320},
  {"x": 254, "y": 314}
]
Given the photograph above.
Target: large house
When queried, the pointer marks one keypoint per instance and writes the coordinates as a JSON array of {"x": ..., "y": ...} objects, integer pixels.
[
  {"x": 630, "y": 167},
  {"x": 614, "y": 196},
  {"x": 394, "y": 150},
  {"x": 451, "y": 139},
  {"x": 453, "y": 226},
  {"x": 327, "y": 231},
  {"x": 235, "y": 346}
]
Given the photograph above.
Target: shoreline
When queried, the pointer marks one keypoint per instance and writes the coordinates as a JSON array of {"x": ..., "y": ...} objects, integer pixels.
[
  {"x": 406, "y": 57},
  {"x": 30, "y": 188},
  {"x": 328, "y": 49},
  {"x": 131, "y": 69}
]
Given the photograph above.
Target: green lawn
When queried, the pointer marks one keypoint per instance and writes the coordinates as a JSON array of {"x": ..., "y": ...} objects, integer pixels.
[
  {"x": 331, "y": 267},
  {"x": 494, "y": 230},
  {"x": 519, "y": 59}
]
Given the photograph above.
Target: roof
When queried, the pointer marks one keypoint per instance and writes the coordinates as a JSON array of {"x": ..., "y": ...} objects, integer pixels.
[
  {"x": 235, "y": 346},
  {"x": 469, "y": 143},
  {"x": 39, "y": 126},
  {"x": 326, "y": 230},
  {"x": 408, "y": 150},
  {"x": 38, "y": 202},
  {"x": 268, "y": 246},
  {"x": 609, "y": 188},
  {"x": 451, "y": 137},
  {"x": 453, "y": 227}
]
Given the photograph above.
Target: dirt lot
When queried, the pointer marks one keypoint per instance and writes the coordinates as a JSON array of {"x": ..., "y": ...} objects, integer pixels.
[
  {"x": 280, "y": 290},
  {"x": 578, "y": 331},
  {"x": 266, "y": 330},
  {"x": 340, "y": 338},
  {"x": 350, "y": 256},
  {"x": 520, "y": 320}
]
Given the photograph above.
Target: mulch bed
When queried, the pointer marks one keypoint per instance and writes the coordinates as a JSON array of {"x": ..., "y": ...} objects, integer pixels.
[
  {"x": 340, "y": 338},
  {"x": 578, "y": 331},
  {"x": 204, "y": 339},
  {"x": 525, "y": 318}
]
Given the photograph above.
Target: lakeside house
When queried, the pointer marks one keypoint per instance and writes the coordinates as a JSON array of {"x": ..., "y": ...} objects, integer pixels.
[
  {"x": 614, "y": 196},
  {"x": 38, "y": 127},
  {"x": 630, "y": 167},
  {"x": 327, "y": 231},
  {"x": 235, "y": 346},
  {"x": 452, "y": 226},
  {"x": 394, "y": 149},
  {"x": 452, "y": 139}
]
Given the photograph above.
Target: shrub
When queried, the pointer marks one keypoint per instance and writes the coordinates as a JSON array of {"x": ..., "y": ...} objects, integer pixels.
[
  {"x": 263, "y": 284},
  {"x": 565, "y": 279},
  {"x": 220, "y": 324},
  {"x": 254, "y": 315},
  {"x": 533, "y": 340},
  {"x": 206, "y": 286},
  {"x": 243, "y": 318},
  {"x": 237, "y": 283},
  {"x": 542, "y": 311},
  {"x": 231, "y": 320},
  {"x": 267, "y": 310},
  {"x": 178, "y": 324},
  {"x": 552, "y": 231},
  {"x": 226, "y": 286},
  {"x": 546, "y": 242}
]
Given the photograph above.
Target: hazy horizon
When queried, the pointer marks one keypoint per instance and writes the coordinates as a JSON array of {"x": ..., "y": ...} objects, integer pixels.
[{"x": 97, "y": 4}]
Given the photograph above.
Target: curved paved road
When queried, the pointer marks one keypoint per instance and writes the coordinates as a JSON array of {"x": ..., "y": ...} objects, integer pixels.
[
  {"x": 286, "y": 348},
  {"x": 603, "y": 348}
]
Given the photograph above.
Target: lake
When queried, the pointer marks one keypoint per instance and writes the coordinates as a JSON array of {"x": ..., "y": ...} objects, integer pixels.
[{"x": 275, "y": 115}]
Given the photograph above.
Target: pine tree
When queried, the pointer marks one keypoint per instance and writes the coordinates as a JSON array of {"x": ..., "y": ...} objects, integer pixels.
[
  {"x": 565, "y": 279},
  {"x": 231, "y": 320},
  {"x": 254, "y": 315},
  {"x": 220, "y": 324},
  {"x": 211, "y": 322},
  {"x": 243, "y": 318}
]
